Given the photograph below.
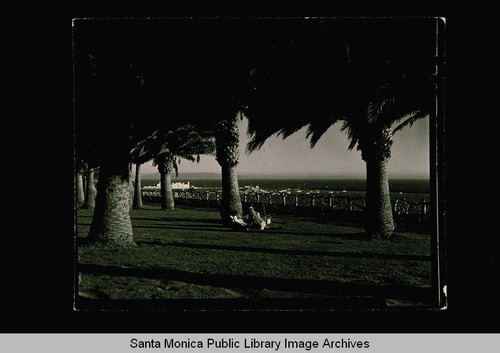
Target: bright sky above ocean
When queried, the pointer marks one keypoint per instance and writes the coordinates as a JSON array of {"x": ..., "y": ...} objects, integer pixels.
[{"x": 330, "y": 156}]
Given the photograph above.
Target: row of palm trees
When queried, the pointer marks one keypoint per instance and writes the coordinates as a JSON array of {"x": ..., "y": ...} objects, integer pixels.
[
  {"x": 165, "y": 150},
  {"x": 373, "y": 82},
  {"x": 85, "y": 184}
]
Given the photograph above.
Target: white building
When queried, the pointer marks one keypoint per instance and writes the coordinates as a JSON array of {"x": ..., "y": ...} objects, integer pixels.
[
  {"x": 180, "y": 186},
  {"x": 175, "y": 186}
]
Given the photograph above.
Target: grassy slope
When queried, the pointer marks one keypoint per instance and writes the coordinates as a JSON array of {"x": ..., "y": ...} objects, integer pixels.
[{"x": 187, "y": 254}]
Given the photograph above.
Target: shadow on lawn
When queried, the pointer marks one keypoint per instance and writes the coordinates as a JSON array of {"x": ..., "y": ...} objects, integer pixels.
[
  {"x": 269, "y": 231},
  {"x": 208, "y": 228},
  {"x": 293, "y": 252},
  {"x": 175, "y": 220},
  {"x": 193, "y": 220},
  {"x": 212, "y": 225},
  {"x": 323, "y": 287}
]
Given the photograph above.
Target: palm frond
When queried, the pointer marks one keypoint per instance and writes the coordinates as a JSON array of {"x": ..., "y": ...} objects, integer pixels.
[
  {"x": 318, "y": 127},
  {"x": 382, "y": 102},
  {"x": 255, "y": 143},
  {"x": 145, "y": 149},
  {"x": 259, "y": 130},
  {"x": 186, "y": 142},
  {"x": 409, "y": 96},
  {"x": 352, "y": 132},
  {"x": 291, "y": 129},
  {"x": 410, "y": 119},
  {"x": 186, "y": 156}
]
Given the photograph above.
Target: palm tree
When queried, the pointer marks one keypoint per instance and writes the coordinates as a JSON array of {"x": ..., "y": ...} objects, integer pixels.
[
  {"x": 90, "y": 190},
  {"x": 80, "y": 193},
  {"x": 371, "y": 82},
  {"x": 128, "y": 78},
  {"x": 107, "y": 91},
  {"x": 227, "y": 155},
  {"x": 111, "y": 223},
  {"x": 137, "y": 188},
  {"x": 130, "y": 186},
  {"x": 168, "y": 148},
  {"x": 166, "y": 163},
  {"x": 80, "y": 167},
  {"x": 392, "y": 108}
]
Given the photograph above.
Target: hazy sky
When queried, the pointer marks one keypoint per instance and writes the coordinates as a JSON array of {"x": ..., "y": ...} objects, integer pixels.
[{"x": 410, "y": 155}]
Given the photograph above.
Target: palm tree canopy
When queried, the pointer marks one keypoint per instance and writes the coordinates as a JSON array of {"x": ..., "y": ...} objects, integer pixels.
[
  {"x": 186, "y": 142},
  {"x": 283, "y": 74},
  {"x": 131, "y": 76},
  {"x": 371, "y": 75}
]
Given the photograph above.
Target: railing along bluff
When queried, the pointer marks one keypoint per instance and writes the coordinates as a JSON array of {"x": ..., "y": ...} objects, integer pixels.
[{"x": 274, "y": 200}]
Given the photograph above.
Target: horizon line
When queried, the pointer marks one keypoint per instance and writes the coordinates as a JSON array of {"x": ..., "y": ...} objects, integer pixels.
[{"x": 298, "y": 175}]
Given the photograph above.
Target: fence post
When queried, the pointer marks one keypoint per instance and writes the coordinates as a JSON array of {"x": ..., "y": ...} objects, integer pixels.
[{"x": 296, "y": 200}]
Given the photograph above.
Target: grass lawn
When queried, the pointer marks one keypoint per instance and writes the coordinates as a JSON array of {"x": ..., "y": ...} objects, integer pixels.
[{"x": 186, "y": 254}]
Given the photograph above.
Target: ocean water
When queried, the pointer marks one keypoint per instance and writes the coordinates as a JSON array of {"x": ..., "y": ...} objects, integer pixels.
[{"x": 419, "y": 186}]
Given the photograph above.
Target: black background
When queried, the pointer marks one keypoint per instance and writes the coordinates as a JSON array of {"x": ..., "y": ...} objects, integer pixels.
[{"x": 37, "y": 236}]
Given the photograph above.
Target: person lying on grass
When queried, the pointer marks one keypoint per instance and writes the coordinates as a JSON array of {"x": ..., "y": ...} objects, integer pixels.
[{"x": 253, "y": 220}]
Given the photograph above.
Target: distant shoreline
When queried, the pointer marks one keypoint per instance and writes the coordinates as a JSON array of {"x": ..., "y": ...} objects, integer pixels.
[{"x": 420, "y": 186}]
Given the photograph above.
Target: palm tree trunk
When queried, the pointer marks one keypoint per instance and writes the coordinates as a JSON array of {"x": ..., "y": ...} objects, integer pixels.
[
  {"x": 80, "y": 193},
  {"x": 84, "y": 178},
  {"x": 137, "y": 188},
  {"x": 111, "y": 224},
  {"x": 230, "y": 200},
  {"x": 379, "y": 221},
  {"x": 165, "y": 167},
  {"x": 90, "y": 191},
  {"x": 227, "y": 155},
  {"x": 375, "y": 149},
  {"x": 130, "y": 186},
  {"x": 167, "y": 195}
]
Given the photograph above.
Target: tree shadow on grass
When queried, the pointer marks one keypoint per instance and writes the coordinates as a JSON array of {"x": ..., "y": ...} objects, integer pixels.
[
  {"x": 375, "y": 293},
  {"x": 184, "y": 207},
  {"x": 192, "y": 220},
  {"x": 211, "y": 222},
  {"x": 183, "y": 227},
  {"x": 221, "y": 228},
  {"x": 268, "y": 231},
  {"x": 150, "y": 219},
  {"x": 352, "y": 236},
  {"x": 178, "y": 219},
  {"x": 211, "y": 225},
  {"x": 401, "y": 257}
]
